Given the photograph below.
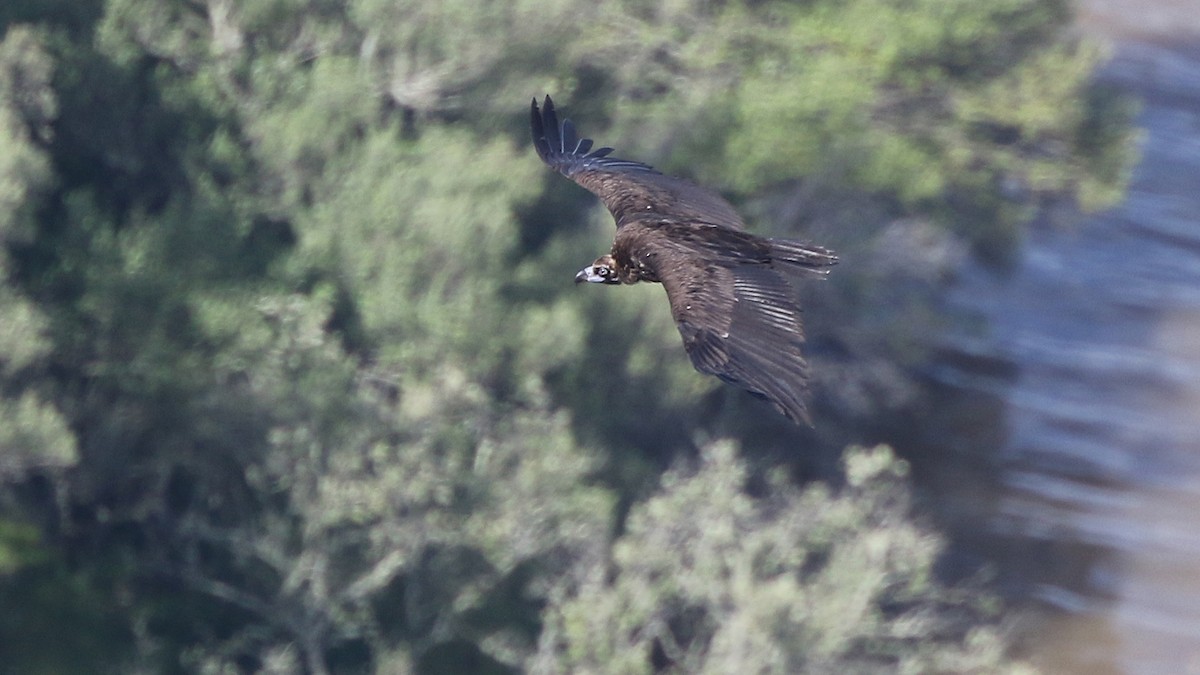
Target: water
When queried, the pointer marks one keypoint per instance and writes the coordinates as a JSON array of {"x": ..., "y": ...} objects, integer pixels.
[{"x": 1089, "y": 367}]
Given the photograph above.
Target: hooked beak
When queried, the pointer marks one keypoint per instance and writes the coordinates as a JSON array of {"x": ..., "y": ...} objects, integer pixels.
[{"x": 589, "y": 274}]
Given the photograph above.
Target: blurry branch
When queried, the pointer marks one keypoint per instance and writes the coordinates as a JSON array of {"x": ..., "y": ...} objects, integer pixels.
[
  {"x": 379, "y": 576},
  {"x": 235, "y": 596}
]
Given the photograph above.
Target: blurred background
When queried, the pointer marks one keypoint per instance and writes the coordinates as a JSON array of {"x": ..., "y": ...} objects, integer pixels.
[{"x": 294, "y": 377}]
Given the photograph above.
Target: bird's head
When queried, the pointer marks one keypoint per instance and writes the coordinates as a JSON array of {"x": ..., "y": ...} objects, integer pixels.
[{"x": 603, "y": 271}]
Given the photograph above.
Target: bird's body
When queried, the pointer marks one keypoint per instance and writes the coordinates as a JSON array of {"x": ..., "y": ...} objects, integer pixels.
[{"x": 728, "y": 290}]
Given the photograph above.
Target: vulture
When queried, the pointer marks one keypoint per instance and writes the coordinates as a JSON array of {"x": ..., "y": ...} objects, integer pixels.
[{"x": 729, "y": 289}]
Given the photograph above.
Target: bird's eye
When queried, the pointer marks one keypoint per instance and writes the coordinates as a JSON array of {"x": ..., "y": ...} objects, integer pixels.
[{"x": 603, "y": 271}]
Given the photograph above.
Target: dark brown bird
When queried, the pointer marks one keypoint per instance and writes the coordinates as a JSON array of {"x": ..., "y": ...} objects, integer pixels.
[{"x": 728, "y": 291}]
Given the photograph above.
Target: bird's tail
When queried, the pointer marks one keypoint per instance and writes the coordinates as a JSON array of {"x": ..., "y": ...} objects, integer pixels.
[{"x": 798, "y": 256}]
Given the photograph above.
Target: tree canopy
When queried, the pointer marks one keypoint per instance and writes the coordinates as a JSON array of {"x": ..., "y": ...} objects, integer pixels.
[{"x": 293, "y": 377}]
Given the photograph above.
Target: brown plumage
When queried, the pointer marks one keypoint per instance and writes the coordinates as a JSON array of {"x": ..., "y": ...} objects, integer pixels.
[{"x": 728, "y": 291}]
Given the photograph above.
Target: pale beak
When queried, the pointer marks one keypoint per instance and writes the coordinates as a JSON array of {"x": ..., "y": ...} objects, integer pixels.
[{"x": 589, "y": 274}]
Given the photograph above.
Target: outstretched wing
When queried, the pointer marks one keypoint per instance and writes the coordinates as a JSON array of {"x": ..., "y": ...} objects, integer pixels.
[
  {"x": 631, "y": 190},
  {"x": 739, "y": 320}
]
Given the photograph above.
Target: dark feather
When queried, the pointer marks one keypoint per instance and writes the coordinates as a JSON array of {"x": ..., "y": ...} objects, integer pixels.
[
  {"x": 798, "y": 256},
  {"x": 559, "y": 145},
  {"x": 737, "y": 315},
  {"x": 631, "y": 190}
]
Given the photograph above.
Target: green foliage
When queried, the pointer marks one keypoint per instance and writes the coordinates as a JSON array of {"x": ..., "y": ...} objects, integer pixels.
[
  {"x": 33, "y": 435},
  {"x": 27, "y": 106},
  {"x": 925, "y": 102},
  {"x": 708, "y": 579},
  {"x": 20, "y": 545},
  {"x": 437, "y": 491},
  {"x": 423, "y": 242},
  {"x": 60, "y": 620},
  {"x": 22, "y": 335},
  {"x": 293, "y": 377}
]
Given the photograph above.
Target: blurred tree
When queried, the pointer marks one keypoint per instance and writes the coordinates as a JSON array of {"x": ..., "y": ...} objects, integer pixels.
[
  {"x": 33, "y": 435},
  {"x": 708, "y": 579},
  {"x": 379, "y": 525},
  {"x": 27, "y": 108},
  {"x": 284, "y": 386}
]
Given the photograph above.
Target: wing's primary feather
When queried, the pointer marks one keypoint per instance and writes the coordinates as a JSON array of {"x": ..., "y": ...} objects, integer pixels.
[
  {"x": 559, "y": 145},
  {"x": 631, "y": 190}
]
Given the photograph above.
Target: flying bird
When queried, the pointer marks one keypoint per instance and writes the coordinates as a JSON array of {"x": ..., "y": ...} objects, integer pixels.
[{"x": 729, "y": 290}]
